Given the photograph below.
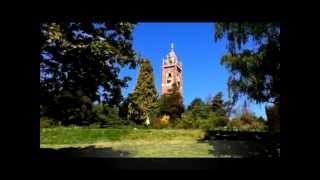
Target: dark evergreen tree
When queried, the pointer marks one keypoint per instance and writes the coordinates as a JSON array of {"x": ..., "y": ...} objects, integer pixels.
[
  {"x": 218, "y": 106},
  {"x": 144, "y": 96}
]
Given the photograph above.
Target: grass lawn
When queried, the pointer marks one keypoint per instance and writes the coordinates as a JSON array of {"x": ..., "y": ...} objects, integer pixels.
[{"x": 138, "y": 143}]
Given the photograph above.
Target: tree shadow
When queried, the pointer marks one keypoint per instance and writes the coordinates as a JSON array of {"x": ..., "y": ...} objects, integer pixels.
[
  {"x": 243, "y": 144},
  {"x": 86, "y": 152}
]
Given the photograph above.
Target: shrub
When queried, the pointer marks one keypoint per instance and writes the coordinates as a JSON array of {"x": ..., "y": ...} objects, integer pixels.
[
  {"x": 164, "y": 121},
  {"x": 187, "y": 121},
  {"x": 46, "y": 122},
  {"x": 246, "y": 122},
  {"x": 161, "y": 122},
  {"x": 207, "y": 121},
  {"x": 107, "y": 116},
  {"x": 211, "y": 122}
]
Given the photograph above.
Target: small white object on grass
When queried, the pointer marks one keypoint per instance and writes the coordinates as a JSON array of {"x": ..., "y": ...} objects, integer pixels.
[{"x": 147, "y": 121}]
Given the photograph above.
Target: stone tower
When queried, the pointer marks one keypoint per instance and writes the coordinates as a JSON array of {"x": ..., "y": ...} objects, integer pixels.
[{"x": 171, "y": 72}]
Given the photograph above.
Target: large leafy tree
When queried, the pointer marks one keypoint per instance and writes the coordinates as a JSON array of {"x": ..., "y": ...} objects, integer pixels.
[
  {"x": 144, "y": 96},
  {"x": 255, "y": 72},
  {"x": 76, "y": 60}
]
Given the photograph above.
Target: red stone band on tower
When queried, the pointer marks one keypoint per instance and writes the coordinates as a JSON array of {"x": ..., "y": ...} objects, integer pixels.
[{"x": 171, "y": 72}]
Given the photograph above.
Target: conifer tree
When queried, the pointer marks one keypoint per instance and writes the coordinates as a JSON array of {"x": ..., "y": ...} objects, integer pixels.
[{"x": 144, "y": 95}]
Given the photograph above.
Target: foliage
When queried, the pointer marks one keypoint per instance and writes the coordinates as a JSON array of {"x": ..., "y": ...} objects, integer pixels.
[
  {"x": 77, "y": 59},
  {"x": 218, "y": 105},
  {"x": 254, "y": 72},
  {"x": 195, "y": 104},
  {"x": 46, "y": 122},
  {"x": 69, "y": 108},
  {"x": 172, "y": 104},
  {"x": 154, "y": 112},
  {"x": 201, "y": 115},
  {"x": 161, "y": 122},
  {"x": 187, "y": 121},
  {"x": 108, "y": 116},
  {"x": 245, "y": 120},
  {"x": 212, "y": 121},
  {"x": 164, "y": 121},
  {"x": 144, "y": 95}
]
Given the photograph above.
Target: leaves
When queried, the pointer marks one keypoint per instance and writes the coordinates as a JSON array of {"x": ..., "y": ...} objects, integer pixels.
[
  {"x": 172, "y": 104},
  {"x": 254, "y": 72},
  {"x": 144, "y": 95},
  {"x": 80, "y": 56}
]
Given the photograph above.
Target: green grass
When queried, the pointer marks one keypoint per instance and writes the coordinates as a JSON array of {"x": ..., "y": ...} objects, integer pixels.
[
  {"x": 79, "y": 135},
  {"x": 139, "y": 143}
]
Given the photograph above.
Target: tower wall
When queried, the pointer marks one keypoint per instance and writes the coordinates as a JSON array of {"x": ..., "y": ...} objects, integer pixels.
[{"x": 171, "y": 65}]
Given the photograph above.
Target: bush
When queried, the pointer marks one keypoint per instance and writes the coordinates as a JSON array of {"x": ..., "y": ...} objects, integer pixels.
[
  {"x": 187, "y": 121},
  {"x": 46, "y": 122},
  {"x": 246, "y": 122},
  {"x": 213, "y": 121},
  {"x": 107, "y": 116},
  {"x": 69, "y": 107},
  {"x": 161, "y": 122}
]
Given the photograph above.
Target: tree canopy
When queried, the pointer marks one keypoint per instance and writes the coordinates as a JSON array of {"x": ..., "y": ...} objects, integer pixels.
[
  {"x": 172, "y": 104},
  {"x": 76, "y": 60},
  {"x": 254, "y": 72}
]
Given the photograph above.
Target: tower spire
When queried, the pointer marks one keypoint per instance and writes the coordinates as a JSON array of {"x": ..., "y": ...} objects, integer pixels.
[{"x": 171, "y": 46}]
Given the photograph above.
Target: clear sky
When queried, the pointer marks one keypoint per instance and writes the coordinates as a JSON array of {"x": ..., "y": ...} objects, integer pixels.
[{"x": 195, "y": 47}]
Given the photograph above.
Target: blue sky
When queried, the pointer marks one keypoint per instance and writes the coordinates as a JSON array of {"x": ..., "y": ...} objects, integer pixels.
[{"x": 195, "y": 47}]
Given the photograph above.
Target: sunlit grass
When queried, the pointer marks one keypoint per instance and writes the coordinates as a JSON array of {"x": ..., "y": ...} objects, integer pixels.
[{"x": 139, "y": 142}]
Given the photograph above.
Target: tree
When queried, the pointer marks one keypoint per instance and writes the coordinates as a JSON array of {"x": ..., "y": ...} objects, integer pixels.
[
  {"x": 195, "y": 104},
  {"x": 172, "y": 104},
  {"x": 254, "y": 72},
  {"x": 217, "y": 105},
  {"x": 144, "y": 96},
  {"x": 78, "y": 58},
  {"x": 199, "y": 109},
  {"x": 201, "y": 115},
  {"x": 220, "y": 108}
]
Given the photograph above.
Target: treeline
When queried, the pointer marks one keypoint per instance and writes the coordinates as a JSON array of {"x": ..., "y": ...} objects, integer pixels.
[
  {"x": 167, "y": 111},
  {"x": 80, "y": 83}
]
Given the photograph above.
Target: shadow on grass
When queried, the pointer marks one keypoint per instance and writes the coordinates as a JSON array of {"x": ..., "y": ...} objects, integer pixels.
[
  {"x": 91, "y": 152},
  {"x": 243, "y": 144}
]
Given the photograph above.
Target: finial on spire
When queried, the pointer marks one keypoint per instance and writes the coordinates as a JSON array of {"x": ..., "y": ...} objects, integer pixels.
[{"x": 172, "y": 46}]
